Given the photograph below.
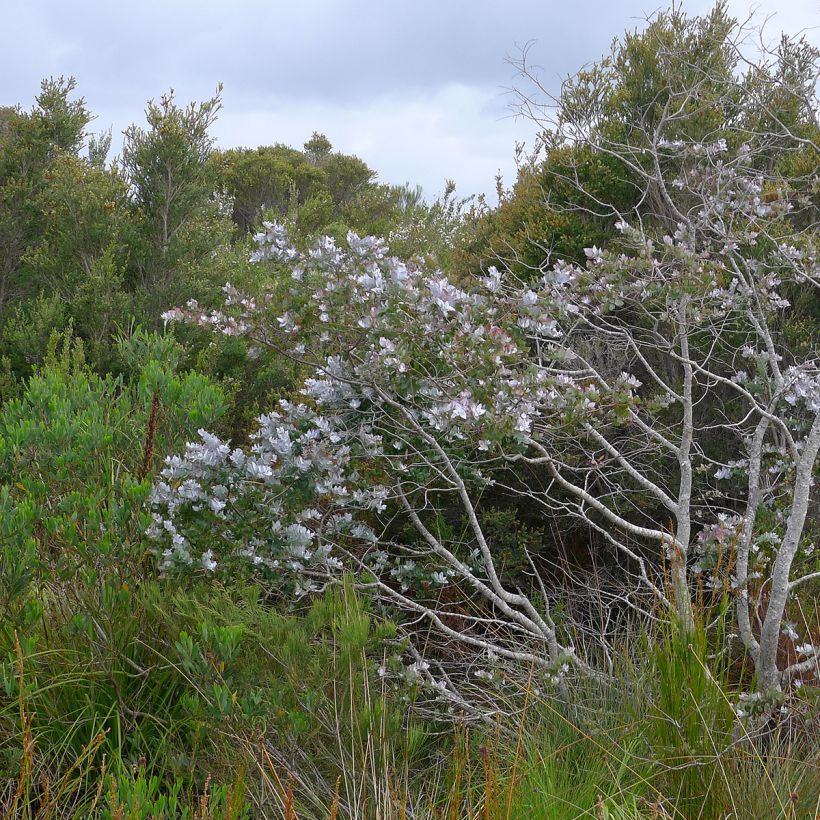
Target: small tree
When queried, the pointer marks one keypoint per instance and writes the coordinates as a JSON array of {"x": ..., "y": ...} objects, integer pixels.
[
  {"x": 607, "y": 391},
  {"x": 318, "y": 147},
  {"x": 722, "y": 152},
  {"x": 167, "y": 170},
  {"x": 30, "y": 143}
]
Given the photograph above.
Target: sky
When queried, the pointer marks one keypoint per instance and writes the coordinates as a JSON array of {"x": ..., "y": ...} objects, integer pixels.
[{"x": 419, "y": 89}]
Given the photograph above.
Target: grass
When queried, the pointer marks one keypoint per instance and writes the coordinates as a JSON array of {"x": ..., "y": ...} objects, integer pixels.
[
  {"x": 132, "y": 697},
  {"x": 659, "y": 741},
  {"x": 203, "y": 701}
]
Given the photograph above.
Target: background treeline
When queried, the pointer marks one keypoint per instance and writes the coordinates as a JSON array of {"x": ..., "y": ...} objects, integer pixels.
[{"x": 103, "y": 247}]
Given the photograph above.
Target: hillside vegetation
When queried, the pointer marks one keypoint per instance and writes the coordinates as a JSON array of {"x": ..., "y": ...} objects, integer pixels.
[{"x": 321, "y": 500}]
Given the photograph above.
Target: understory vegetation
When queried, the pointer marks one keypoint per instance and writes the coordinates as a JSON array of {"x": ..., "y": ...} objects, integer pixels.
[{"x": 321, "y": 500}]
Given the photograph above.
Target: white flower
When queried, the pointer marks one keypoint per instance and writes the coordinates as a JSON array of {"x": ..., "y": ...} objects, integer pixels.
[
  {"x": 173, "y": 315},
  {"x": 790, "y": 632},
  {"x": 217, "y": 505},
  {"x": 298, "y": 535},
  {"x": 493, "y": 280},
  {"x": 465, "y": 408},
  {"x": 629, "y": 380},
  {"x": 257, "y": 469}
]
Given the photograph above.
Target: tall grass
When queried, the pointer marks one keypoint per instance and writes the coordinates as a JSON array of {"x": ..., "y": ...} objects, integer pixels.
[
  {"x": 660, "y": 740},
  {"x": 137, "y": 698}
]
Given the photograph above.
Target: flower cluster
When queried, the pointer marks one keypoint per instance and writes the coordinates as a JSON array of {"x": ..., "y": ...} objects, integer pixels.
[{"x": 286, "y": 506}]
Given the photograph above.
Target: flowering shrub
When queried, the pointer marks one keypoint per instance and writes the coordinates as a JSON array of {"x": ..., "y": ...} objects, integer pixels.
[
  {"x": 620, "y": 381},
  {"x": 422, "y": 389}
]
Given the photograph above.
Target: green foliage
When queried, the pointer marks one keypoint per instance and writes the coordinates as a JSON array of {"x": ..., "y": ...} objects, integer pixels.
[
  {"x": 273, "y": 178},
  {"x": 189, "y": 680},
  {"x": 181, "y": 239},
  {"x": 138, "y": 796},
  {"x": 577, "y": 776},
  {"x": 29, "y": 144},
  {"x": 317, "y": 147},
  {"x": 126, "y": 694},
  {"x": 692, "y": 52},
  {"x": 319, "y": 191},
  {"x": 99, "y": 306},
  {"x": 167, "y": 171},
  {"x": 515, "y": 542},
  {"x": 347, "y": 176},
  {"x": 84, "y": 212},
  {"x": 26, "y": 333},
  {"x": 316, "y": 679},
  {"x": 114, "y": 663},
  {"x": 546, "y": 218},
  {"x": 108, "y": 247},
  {"x": 9, "y": 386},
  {"x": 75, "y": 452},
  {"x": 311, "y": 188},
  {"x": 80, "y": 242},
  {"x": 688, "y": 718},
  {"x": 656, "y": 740}
]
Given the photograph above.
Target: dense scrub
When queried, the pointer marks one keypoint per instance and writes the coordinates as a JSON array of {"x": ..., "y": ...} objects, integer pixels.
[{"x": 435, "y": 510}]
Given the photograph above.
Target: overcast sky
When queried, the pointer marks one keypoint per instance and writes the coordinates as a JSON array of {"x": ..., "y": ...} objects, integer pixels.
[{"x": 414, "y": 87}]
